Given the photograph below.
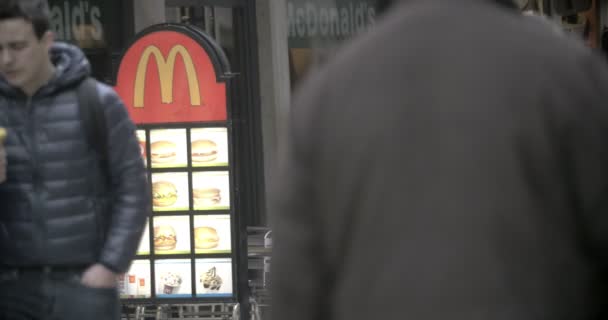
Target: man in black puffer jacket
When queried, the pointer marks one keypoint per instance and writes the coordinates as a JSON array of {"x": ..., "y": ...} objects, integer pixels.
[{"x": 62, "y": 241}]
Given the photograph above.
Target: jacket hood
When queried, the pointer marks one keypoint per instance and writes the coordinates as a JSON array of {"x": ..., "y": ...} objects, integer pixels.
[{"x": 71, "y": 67}]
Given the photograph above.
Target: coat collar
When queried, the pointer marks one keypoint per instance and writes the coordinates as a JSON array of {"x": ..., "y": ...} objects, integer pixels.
[{"x": 508, "y": 4}]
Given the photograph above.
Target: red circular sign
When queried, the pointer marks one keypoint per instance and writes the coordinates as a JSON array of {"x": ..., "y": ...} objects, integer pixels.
[{"x": 168, "y": 77}]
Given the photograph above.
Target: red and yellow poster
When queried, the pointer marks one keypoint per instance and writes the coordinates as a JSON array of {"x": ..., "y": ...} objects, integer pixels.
[
  {"x": 167, "y": 77},
  {"x": 173, "y": 82}
]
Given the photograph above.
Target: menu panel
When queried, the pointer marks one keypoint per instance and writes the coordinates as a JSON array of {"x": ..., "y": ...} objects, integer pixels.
[
  {"x": 141, "y": 137},
  {"x": 212, "y": 234},
  {"x": 211, "y": 190},
  {"x": 213, "y": 278},
  {"x": 173, "y": 278},
  {"x": 144, "y": 243},
  {"x": 209, "y": 147},
  {"x": 185, "y": 187},
  {"x": 170, "y": 191},
  {"x": 171, "y": 235},
  {"x": 182, "y": 114},
  {"x": 168, "y": 148},
  {"x": 135, "y": 284}
]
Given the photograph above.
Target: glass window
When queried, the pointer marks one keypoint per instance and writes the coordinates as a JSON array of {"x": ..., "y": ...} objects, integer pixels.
[
  {"x": 316, "y": 28},
  {"x": 216, "y": 21}
]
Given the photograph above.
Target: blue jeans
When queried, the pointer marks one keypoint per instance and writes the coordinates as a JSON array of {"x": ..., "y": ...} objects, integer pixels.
[{"x": 54, "y": 295}]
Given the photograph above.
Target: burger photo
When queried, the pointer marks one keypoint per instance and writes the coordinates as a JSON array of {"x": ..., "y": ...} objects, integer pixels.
[
  {"x": 164, "y": 238},
  {"x": 163, "y": 152},
  {"x": 204, "y": 150},
  {"x": 164, "y": 194},
  {"x": 141, "y": 138},
  {"x": 204, "y": 197},
  {"x": 206, "y": 238}
]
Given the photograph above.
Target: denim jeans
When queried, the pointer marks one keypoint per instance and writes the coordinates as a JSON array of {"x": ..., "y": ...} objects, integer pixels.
[{"x": 54, "y": 296}]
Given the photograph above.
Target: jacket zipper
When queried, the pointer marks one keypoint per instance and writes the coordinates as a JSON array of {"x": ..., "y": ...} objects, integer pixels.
[{"x": 36, "y": 178}]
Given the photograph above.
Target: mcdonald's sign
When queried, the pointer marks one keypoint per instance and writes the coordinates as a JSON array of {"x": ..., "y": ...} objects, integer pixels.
[{"x": 167, "y": 76}]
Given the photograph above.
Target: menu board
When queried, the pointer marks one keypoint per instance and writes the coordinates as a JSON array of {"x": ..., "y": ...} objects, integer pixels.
[
  {"x": 170, "y": 191},
  {"x": 209, "y": 147},
  {"x": 190, "y": 173},
  {"x": 141, "y": 137},
  {"x": 185, "y": 133},
  {"x": 168, "y": 148},
  {"x": 214, "y": 277},
  {"x": 211, "y": 190},
  {"x": 173, "y": 278},
  {"x": 171, "y": 235},
  {"x": 136, "y": 282},
  {"x": 212, "y": 234},
  {"x": 144, "y": 243}
]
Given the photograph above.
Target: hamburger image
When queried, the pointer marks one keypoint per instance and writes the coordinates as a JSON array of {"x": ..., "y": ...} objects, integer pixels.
[
  {"x": 205, "y": 238},
  {"x": 164, "y": 194},
  {"x": 163, "y": 152},
  {"x": 164, "y": 238},
  {"x": 204, "y": 197},
  {"x": 204, "y": 150}
]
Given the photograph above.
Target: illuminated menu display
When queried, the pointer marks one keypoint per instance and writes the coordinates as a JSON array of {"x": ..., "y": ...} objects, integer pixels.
[
  {"x": 212, "y": 234},
  {"x": 211, "y": 190},
  {"x": 171, "y": 235},
  {"x": 168, "y": 148},
  {"x": 144, "y": 243},
  {"x": 136, "y": 282},
  {"x": 209, "y": 147},
  {"x": 213, "y": 277},
  {"x": 175, "y": 90},
  {"x": 173, "y": 278},
  {"x": 170, "y": 191},
  {"x": 186, "y": 249}
]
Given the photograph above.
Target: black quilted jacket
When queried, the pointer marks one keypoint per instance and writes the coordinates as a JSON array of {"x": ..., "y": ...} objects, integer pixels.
[{"x": 52, "y": 210}]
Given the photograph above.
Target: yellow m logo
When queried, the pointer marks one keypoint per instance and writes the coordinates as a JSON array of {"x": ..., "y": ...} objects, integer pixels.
[{"x": 165, "y": 74}]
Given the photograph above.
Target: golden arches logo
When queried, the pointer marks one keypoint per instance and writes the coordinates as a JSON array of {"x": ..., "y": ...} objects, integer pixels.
[{"x": 166, "y": 70}]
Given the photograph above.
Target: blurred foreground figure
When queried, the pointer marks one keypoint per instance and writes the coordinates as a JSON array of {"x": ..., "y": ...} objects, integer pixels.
[
  {"x": 451, "y": 164},
  {"x": 70, "y": 218}
]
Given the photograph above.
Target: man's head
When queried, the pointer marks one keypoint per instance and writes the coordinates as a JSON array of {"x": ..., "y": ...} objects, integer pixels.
[{"x": 25, "y": 41}]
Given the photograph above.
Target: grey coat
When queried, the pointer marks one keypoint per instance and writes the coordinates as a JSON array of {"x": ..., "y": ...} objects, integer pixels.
[
  {"x": 52, "y": 209},
  {"x": 450, "y": 164}
]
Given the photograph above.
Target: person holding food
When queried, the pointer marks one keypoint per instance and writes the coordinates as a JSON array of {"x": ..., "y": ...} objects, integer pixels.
[{"x": 69, "y": 222}]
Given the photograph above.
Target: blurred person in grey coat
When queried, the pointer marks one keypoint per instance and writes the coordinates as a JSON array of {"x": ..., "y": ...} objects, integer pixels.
[{"x": 450, "y": 164}]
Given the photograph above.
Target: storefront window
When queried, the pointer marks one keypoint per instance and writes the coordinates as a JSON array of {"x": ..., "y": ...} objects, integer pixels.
[
  {"x": 216, "y": 21},
  {"x": 87, "y": 24},
  {"x": 316, "y": 28}
]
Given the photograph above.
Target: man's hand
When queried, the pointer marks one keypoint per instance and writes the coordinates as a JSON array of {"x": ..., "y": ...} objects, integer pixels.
[{"x": 98, "y": 276}]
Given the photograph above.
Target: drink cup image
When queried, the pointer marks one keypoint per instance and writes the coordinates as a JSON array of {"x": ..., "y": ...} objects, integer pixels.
[{"x": 171, "y": 282}]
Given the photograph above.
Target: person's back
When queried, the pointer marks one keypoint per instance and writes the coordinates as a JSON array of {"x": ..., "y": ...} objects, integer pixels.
[{"x": 452, "y": 164}]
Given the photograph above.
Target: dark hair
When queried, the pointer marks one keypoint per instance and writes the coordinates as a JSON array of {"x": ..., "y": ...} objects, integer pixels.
[{"x": 34, "y": 11}]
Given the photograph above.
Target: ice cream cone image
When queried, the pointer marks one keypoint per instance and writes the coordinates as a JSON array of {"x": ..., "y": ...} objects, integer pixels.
[{"x": 211, "y": 280}]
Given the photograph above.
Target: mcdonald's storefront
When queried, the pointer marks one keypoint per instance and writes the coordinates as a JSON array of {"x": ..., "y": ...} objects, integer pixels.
[{"x": 187, "y": 72}]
